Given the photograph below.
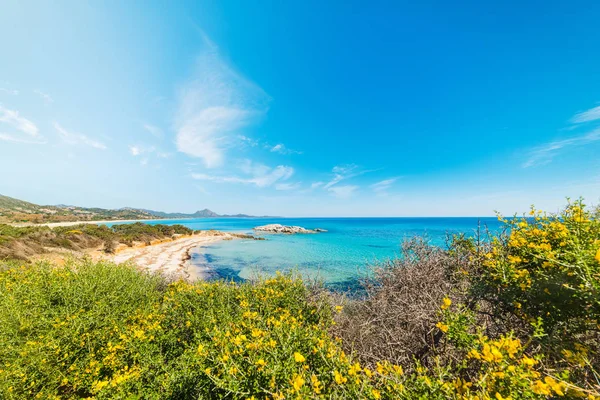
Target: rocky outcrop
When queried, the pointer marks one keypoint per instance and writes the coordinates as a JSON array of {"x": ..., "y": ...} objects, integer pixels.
[{"x": 278, "y": 228}]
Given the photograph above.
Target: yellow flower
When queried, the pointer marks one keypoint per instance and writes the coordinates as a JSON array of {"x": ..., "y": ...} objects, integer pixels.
[
  {"x": 540, "y": 387},
  {"x": 442, "y": 327},
  {"x": 376, "y": 393},
  {"x": 261, "y": 363},
  {"x": 499, "y": 397},
  {"x": 339, "y": 379},
  {"x": 446, "y": 302},
  {"x": 598, "y": 255},
  {"x": 529, "y": 362},
  {"x": 297, "y": 383},
  {"x": 339, "y": 308},
  {"x": 299, "y": 357}
]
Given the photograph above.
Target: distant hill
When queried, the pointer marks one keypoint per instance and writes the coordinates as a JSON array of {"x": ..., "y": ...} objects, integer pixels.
[
  {"x": 206, "y": 213},
  {"x": 15, "y": 210}
]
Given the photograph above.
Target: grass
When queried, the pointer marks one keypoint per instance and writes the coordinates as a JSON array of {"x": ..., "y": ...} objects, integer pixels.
[{"x": 21, "y": 243}]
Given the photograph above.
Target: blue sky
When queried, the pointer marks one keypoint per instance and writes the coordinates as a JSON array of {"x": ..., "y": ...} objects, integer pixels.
[{"x": 301, "y": 108}]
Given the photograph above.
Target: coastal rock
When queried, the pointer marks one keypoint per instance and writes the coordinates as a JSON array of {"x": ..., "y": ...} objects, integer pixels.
[{"x": 278, "y": 228}]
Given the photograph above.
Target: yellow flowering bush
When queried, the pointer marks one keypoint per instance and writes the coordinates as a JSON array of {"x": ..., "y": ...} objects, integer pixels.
[
  {"x": 548, "y": 266},
  {"x": 102, "y": 331},
  {"x": 520, "y": 322}
]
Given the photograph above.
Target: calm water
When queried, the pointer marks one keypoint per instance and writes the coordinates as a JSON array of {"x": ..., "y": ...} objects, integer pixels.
[{"x": 337, "y": 256}]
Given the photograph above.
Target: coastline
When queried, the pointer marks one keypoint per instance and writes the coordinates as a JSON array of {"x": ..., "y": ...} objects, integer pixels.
[{"x": 169, "y": 257}]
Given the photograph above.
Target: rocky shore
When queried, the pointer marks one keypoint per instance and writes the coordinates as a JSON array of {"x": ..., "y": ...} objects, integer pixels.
[{"x": 278, "y": 228}]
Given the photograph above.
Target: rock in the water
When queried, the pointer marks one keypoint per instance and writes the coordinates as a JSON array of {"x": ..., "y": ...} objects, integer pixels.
[{"x": 278, "y": 228}]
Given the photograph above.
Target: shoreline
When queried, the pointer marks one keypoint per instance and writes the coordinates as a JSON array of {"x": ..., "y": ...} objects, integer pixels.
[{"x": 171, "y": 257}]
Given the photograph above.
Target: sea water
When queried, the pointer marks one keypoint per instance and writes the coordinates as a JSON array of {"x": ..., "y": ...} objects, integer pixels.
[{"x": 339, "y": 256}]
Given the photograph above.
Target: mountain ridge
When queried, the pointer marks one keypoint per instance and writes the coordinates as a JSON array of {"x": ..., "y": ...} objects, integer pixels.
[{"x": 16, "y": 210}]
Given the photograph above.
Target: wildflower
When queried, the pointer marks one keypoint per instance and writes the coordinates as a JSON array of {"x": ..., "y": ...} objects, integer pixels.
[
  {"x": 339, "y": 378},
  {"x": 340, "y": 308},
  {"x": 354, "y": 369},
  {"x": 299, "y": 357},
  {"x": 446, "y": 302},
  {"x": 297, "y": 383},
  {"x": 500, "y": 397},
  {"x": 442, "y": 327},
  {"x": 261, "y": 363},
  {"x": 529, "y": 362},
  {"x": 598, "y": 256},
  {"x": 540, "y": 387},
  {"x": 376, "y": 393}
]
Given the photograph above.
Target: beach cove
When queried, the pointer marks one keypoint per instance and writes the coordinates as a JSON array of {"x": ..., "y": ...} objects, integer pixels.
[{"x": 338, "y": 256}]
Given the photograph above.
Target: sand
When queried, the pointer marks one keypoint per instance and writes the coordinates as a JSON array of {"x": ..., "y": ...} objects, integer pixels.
[{"x": 171, "y": 258}]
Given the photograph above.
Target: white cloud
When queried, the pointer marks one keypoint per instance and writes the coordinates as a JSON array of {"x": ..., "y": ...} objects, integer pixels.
[
  {"x": 382, "y": 186},
  {"x": 316, "y": 185},
  {"x": 77, "y": 138},
  {"x": 257, "y": 174},
  {"x": 248, "y": 141},
  {"x": 17, "y": 129},
  {"x": 214, "y": 106},
  {"x": 343, "y": 191},
  {"x": 44, "y": 96},
  {"x": 10, "y": 138},
  {"x": 590, "y": 115},
  {"x": 9, "y": 91},
  {"x": 287, "y": 186},
  {"x": 281, "y": 149},
  {"x": 135, "y": 150},
  {"x": 544, "y": 154},
  {"x": 342, "y": 172},
  {"x": 154, "y": 130}
]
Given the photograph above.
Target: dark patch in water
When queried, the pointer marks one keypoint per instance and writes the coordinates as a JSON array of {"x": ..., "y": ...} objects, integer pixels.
[
  {"x": 226, "y": 274},
  {"x": 351, "y": 287},
  {"x": 377, "y": 246},
  {"x": 210, "y": 258}
]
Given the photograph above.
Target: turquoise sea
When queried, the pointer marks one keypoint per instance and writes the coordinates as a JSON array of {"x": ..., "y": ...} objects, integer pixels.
[{"x": 338, "y": 256}]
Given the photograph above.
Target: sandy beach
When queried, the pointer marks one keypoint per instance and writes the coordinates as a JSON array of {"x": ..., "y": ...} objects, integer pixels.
[{"x": 172, "y": 257}]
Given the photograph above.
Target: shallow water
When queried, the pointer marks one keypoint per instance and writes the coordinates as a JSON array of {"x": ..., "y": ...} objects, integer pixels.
[{"x": 338, "y": 256}]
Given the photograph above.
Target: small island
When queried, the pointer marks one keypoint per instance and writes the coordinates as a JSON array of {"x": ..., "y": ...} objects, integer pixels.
[{"x": 290, "y": 230}]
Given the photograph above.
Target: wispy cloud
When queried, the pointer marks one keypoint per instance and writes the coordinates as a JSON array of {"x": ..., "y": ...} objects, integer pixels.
[
  {"x": 256, "y": 174},
  {"x": 281, "y": 149},
  {"x": 343, "y": 172},
  {"x": 17, "y": 129},
  {"x": 44, "y": 96},
  {"x": 343, "y": 191},
  {"x": 74, "y": 138},
  {"x": 214, "y": 106},
  {"x": 154, "y": 130},
  {"x": 135, "y": 150},
  {"x": 287, "y": 186},
  {"x": 544, "y": 154},
  {"x": 248, "y": 141},
  {"x": 382, "y": 187},
  {"x": 586, "y": 116},
  {"x": 14, "y": 139},
  {"x": 316, "y": 185},
  {"x": 12, "y": 92}
]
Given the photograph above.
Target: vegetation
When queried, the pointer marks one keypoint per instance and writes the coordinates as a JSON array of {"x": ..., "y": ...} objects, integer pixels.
[
  {"x": 14, "y": 210},
  {"x": 22, "y": 243},
  {"x": 19, "y": 211},
  {"x": 516, "y": 316}
]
